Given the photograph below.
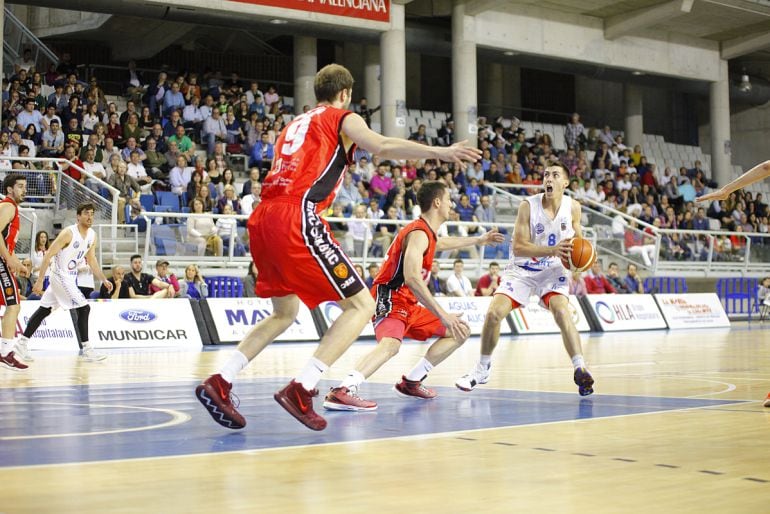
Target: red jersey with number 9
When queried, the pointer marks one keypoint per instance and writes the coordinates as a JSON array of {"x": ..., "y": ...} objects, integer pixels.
[{"x": 310, "y": 159}]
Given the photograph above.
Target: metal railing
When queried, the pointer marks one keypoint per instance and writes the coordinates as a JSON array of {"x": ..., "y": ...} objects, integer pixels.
[
  {"x": 17, "y": 38},
  {"x": 166, "y": 236},
  {"x": 50, "y": 188}
]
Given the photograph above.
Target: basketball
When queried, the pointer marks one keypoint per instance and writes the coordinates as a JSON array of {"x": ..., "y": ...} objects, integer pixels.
[{"x": 582, "y": 256}]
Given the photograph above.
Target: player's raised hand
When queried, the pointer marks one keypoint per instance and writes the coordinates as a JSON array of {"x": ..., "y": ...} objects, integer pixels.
[
  {"x": 456, "y": 326},
  {"x": 719, "y": 194},
  {"x": 493, "y": 236},
  {"x": 459, "y": 153},
  {"x": 563, "y": 249}
]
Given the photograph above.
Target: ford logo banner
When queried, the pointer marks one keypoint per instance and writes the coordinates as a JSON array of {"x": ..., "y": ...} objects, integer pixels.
[{"x": 137, "y": 316}]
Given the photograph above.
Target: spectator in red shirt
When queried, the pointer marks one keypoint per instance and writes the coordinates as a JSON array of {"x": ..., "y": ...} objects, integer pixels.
[
  {"x": 488, "y": 283},
  {"x": 597, "y": 282}
]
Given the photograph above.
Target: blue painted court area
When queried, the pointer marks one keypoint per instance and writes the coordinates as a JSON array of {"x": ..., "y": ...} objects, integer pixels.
[{"x": 107, "y": 422}]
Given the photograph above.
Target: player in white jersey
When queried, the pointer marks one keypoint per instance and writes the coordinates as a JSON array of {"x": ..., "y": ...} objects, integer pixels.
[
  {"x": 545, "y": 226},
  {"x": 71, "y": 246}
]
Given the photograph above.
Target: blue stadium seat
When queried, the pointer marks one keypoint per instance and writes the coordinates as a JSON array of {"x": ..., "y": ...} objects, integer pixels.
[
  {"x": 738, "y": 295},
  {"x": 224, "y": 287},
  {"x": 167, "y": 198},
  {"x": 147, "y": 201},
  {"x": 665, "y": 285}
]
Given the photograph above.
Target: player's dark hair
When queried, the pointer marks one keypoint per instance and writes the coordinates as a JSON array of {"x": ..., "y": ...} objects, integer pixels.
[
  {"x": 85, "y": 206},
  {"x": 428, "y": 192},
  {"x": 561, "y": 166},
  {"x": 330, "y": 80},
  {"x": 10, "y": 181}
]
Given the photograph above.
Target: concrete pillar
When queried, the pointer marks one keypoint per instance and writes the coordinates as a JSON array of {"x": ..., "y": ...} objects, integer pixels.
[
  {"x": 719, "y": 108},
  {"x": 634, "y": 122},
  {"x": 371, "y": 85},
  {"x": 493, "y": 85},
  {"x": 305, "y": 68},
  {"x": 393, "y": 79},
  {"x": 464, "y": 94}
]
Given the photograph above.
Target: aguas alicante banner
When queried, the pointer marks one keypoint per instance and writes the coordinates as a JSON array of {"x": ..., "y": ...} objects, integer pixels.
[{"x": 376, "y": 10}]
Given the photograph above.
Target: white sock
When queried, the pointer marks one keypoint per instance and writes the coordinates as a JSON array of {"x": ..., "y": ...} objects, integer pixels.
[
  {"x": 233, "y": 366},
  {"x": 420, "y": 371},
  {"x": 578, "y": 361},
  {"x": 311, "y": 374},
  {"x": 7, "y": 346},
  {"x": 23, "y": 339},
  {"x": 354, "y": 379},
  {"x": 86, "y": 345},
  {"x": 486, "y": 361}
]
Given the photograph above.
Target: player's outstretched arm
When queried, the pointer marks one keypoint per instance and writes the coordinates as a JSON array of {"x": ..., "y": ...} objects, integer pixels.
[
  {"x": 576, "y": 215},
  {"x": 755, "y": 174},
  {"x": 453, "y": 243},
  {"x": 354, "y": 128}
]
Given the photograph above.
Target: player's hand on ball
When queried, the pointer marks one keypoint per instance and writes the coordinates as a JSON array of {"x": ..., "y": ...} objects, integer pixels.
[{"x": 563, "y": 249}]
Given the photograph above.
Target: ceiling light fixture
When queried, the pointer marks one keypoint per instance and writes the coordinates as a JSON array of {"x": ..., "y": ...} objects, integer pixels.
[
  {"x": 276, "y": 21},
  {"x": 637, "y": 73},
  {"x": 509, "y": 53}
]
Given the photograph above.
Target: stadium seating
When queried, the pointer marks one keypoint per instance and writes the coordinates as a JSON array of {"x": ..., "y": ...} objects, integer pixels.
[
  {"x": 224, "y": 287},
  {"x": 665, "y": 285},
  {"x": 738, "y": 295}
]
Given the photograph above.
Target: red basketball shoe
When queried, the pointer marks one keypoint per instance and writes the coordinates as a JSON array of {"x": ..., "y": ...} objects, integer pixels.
[
  {"x": 299, "y": 403},
  {"x": 584, "y": 381},
  {"x": 214, "y": 394},
  {"x": 10, "y": 362},
  {"x": 342, "y": 398},
  {"x": 414, "y": 389}
]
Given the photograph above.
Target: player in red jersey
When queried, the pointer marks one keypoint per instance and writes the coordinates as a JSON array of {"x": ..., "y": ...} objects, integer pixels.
[
  {"x": 400, "y": 284},
  {"x": 296, "y": 255},
  {"x": 15, "y": 189},
  {"x": 759, "y": 172}
]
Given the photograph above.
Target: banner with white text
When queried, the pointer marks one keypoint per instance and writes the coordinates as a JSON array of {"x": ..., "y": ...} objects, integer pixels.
[
  {"x": 692, "y": 310},
  {"x": 234, "y": 317},
  {"x": 616, "y": 312},
  {"x": 536, "y": 319},
  {"x": 376, "y": 10}
]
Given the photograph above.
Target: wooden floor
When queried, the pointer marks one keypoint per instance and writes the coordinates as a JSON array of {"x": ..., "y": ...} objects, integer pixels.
[{"x": 676, "y": 425}]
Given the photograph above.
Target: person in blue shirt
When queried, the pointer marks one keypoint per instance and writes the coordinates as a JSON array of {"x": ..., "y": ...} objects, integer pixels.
[
  {"x": 262, "y": 153},
  {"x": 634, "y": 281},
  {"x": 173, "y": 100}
]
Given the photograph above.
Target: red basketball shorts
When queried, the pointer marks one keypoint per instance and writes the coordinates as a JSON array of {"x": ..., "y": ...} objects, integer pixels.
[
  {"x": 398, "y": 318},
  {"x": 295, "y": 253}
]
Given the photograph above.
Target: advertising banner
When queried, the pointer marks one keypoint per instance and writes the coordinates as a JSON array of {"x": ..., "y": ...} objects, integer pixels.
[
  {"x": 234, "y": 317},
  {"x": 376, "y": 10},
  {"x": 473, "y": 309},
  {"x": 536, "y": 319},
  {"x": 616, "y": 312},
  {"x": 330, "y": 311},
  {"x": 693, "y": 310},
  {"x": 143, "y": 323},
  {"x": 57, "y": 332}
]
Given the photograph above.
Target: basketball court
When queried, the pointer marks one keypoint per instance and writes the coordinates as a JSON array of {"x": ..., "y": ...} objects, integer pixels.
[{"x": 676, "y": 425}]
